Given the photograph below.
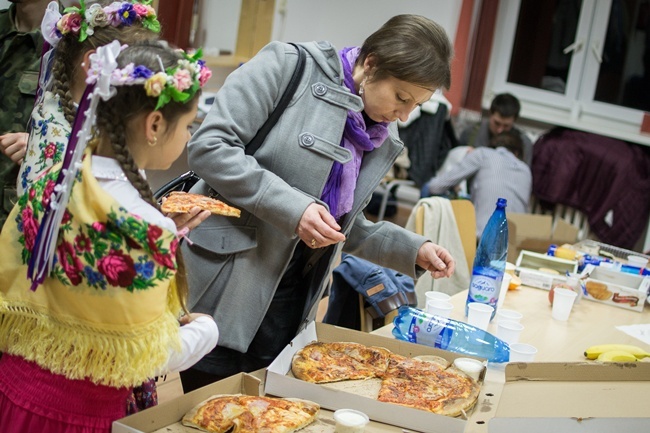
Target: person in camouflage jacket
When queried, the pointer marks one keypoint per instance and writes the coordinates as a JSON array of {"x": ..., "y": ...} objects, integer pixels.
[{"x": 21, "y": 44}]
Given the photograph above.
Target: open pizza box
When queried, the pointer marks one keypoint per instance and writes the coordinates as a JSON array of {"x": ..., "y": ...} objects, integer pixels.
[
  {"x": 574, "y": 397},
  {"x": 166, "y": 417},
  {"x": 280, "y": 382}
]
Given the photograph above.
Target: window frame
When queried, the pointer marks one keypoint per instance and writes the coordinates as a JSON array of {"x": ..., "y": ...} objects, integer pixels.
[{"x": 576, "y": 108}]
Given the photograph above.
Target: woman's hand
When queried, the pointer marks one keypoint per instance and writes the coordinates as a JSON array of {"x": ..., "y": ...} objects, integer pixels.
[
  {"x": 14, "y": 145},
  {"x": 318, "y": 228},
  {"x": 185, "y": 319},
  {"x": 436, "y": 260}
]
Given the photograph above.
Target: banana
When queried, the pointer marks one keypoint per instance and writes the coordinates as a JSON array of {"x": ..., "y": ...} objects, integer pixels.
[
  {"x": 594, "y": 352},
  {"x": 616, "y": 356}
]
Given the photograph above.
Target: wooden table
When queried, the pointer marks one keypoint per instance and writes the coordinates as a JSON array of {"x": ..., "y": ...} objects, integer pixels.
[{"x": 590, "y": 323}]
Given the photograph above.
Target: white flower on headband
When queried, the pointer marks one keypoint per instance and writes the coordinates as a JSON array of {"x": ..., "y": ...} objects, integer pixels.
[
  {"x": 177, "y": 84},
  {"x": 82, "y": 21},
  {"x": 96, "y": 17}
]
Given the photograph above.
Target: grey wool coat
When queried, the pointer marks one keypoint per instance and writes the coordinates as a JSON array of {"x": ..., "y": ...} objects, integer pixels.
[{"x": 235, "y": 264}]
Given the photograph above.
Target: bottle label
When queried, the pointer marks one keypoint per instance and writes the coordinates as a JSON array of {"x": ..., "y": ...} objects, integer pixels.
[
  {"x": 426, "y": 331},
  {"x": 484, "y": 287}
]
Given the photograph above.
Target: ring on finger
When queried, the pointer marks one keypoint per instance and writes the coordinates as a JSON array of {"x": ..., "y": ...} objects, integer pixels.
[{"x": 313, "y": 243}]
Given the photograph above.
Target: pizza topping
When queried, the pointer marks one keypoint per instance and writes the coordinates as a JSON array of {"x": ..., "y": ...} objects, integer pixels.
[
  {"x": 250, "y": 414},
  {"x": 428, "y": 385},
  {"x": 183, "y": 202}
]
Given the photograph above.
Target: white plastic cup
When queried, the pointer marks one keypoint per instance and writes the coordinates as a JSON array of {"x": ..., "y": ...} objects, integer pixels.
[
  {"x": 509, "y": 331},
  {"x": 503, "y": 290},
  {"x": 511, "y": 315},
  {"x": 440, "y": 308},
  {"x": 436, "y": 296},
  {"x": 563, "y": 300},
  {"x": 350, "y": 421},
  {"x": 479, "y": 315},
  {"x": 470, "y": 366},
  {"x": 521, "y": 352}
]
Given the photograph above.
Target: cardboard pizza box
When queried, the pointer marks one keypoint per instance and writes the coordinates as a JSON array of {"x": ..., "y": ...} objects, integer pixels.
[
  {"x": 574, "y": 397},
  {"x": 165, "y": 418},
  {"x": 280, "y": 382}
]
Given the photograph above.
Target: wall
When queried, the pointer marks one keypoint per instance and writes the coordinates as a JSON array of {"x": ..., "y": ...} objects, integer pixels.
[{"x": 342, "y": 22}]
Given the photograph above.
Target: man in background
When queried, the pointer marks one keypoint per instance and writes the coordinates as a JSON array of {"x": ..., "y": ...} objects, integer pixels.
[
  {"x": 504, "y": 111},
  {"x": 21, "y": 44},
  {"x": 492, "y": 172}
]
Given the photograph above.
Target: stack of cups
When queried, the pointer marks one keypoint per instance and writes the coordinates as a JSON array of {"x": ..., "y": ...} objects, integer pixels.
[
  {"x": 438, "y": 304},
  {"x": 479, "y": 315}
]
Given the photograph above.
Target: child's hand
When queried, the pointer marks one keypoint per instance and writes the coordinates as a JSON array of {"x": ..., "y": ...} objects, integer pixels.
[
  {"x": 185, "y": 319},
  {"x": 189, "y": 220}
]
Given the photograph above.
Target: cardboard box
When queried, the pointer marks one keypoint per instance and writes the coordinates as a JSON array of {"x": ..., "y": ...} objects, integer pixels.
[
  {"x": 528, "y": 266},
  {"x": 165, "y": 418},
  {"x": 574, "y": 397},
  {"x": 535, "y": 233},
  {"x": 279, "y": 382},
  {"x": 622, "y": 289}
]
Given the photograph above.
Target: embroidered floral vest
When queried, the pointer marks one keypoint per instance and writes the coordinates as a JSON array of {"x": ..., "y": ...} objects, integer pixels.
[
  {"x": 108, "y": 311},
  {"x": 47, "y": 141}
]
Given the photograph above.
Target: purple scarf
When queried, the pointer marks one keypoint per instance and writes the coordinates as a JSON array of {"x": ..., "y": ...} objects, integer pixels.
[{"x": 339, "y": 189}]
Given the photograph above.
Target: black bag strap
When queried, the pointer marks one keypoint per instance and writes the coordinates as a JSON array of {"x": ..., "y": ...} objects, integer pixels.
[
  {"x": 259, "y": 138},
  {"x": 187, "y": 180}
]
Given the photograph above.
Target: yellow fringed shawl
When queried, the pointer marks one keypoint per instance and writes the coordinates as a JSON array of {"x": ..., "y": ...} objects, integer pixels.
[{"x": 108, "y": 311}]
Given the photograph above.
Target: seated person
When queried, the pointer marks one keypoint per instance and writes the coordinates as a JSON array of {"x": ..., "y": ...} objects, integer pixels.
[
  {"x": 495, "y": 171},
  {"x": 504, "y": 111}
]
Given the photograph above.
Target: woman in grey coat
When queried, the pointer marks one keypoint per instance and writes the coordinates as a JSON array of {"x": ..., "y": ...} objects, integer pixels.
[{"x": 302, "y": 194}]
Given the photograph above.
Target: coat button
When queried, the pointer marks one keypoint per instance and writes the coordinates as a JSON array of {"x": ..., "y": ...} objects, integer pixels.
[
  {"x": 307, "y": 140},
  {"x": 320, "y": 89}
]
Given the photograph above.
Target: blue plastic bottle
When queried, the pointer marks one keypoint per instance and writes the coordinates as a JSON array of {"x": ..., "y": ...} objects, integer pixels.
[
  {"x": 417, "y": 326},
  {"x": 490, "y": 260}
]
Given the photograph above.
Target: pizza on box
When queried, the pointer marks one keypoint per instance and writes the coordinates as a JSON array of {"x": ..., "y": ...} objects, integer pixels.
[
  {"x": 183, "y": 202},
  {"x": 430, "y": 385},
  {"x": 238, "y": 413}
]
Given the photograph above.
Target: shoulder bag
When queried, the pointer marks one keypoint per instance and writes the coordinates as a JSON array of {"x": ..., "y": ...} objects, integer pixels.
[{"x": 186, "y": 181}]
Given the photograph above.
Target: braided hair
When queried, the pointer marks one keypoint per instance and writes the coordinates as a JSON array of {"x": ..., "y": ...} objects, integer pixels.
[
  {"x": 131, "y": 101},
  {"x": 69, "y": 54}
]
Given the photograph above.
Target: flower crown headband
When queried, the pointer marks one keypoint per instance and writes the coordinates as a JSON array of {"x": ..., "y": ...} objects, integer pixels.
[
  {"x": 178, "y": 83},
  {"x": 82, "y": 20}
]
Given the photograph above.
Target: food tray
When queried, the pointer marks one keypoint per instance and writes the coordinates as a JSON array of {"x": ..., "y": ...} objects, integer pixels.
[{"x": 594, "y": 247}]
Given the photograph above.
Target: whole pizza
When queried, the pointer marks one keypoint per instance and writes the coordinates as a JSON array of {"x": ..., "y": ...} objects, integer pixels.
[
  {"x": 238, "y": 413},
  {"x": 432, "y": 385}
]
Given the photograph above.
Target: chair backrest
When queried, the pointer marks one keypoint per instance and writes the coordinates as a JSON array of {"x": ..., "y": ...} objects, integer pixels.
[{"x": 466, "y": 221}]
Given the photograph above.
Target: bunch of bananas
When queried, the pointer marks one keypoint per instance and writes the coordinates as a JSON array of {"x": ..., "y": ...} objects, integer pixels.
[{"x": 616, "y": 353}]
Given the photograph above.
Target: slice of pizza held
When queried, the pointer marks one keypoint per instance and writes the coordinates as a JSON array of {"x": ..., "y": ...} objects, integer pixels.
[{"x": 183, "y": 202}]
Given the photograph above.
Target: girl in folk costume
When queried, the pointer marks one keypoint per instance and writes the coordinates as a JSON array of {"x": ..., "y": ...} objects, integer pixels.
[
  {"x": 70, "y": 40},
  {"x": 73, "y": 37},
  {"x": 98, "y": 313}
]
